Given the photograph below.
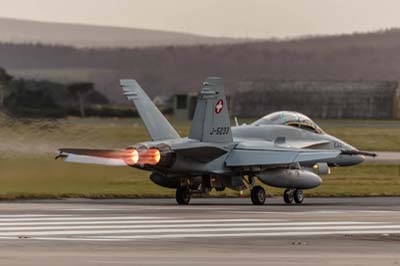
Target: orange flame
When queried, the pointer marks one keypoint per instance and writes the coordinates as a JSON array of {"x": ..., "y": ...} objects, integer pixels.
[
  {"x": 132, "y": 157},
  {"x": 149, "y": 157}
]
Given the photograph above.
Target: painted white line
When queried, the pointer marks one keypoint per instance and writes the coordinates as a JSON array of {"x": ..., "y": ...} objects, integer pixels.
[
  {"x": 255, "y": 234},
  {"x": 33, "y": 215},
  {"x": 183, "y": 208},
  {"x": 116, "y": 220},
  {"x": 60, "y": 239},
  {"x": 225, "y": 235},
  {"x": 95, "y": 209},
  {"x": 314, "y": 212},
  {"x": 196, "y": 225},
  {"x": 78, "y": 218},
  {"x": 347, "y": 211},
  {"x": 197, "y": 230}
]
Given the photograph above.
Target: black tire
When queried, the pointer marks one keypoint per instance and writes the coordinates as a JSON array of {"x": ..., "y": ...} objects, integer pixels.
[
  {"x": 258, "y": 195},
  {"x": 183, "y": 195},
  {"x": 288, "y": 196},
  {"x": 298, "y": 196}
]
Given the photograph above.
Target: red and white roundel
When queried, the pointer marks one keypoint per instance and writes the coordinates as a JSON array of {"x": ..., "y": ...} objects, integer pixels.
[{"x": 219, "y": 106}]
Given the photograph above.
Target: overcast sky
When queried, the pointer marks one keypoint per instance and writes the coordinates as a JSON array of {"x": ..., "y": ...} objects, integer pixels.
[{"x": 238, "y": 18}]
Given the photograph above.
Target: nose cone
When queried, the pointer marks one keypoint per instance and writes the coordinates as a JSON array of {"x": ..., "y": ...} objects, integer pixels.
[
  {"x": 349, "y": 160},
  {"x": 346, "y": 159}
]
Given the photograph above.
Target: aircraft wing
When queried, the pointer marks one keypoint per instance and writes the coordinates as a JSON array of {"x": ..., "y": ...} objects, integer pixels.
[
  {"x": 99, "y": 157},
  {"x": 272, "y": 156}
]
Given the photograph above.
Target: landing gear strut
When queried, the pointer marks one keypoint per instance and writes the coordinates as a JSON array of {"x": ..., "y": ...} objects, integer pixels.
[
  {"x": 293, "y": 195},
  {"x": 258, "y": 195},
  {"x": 183, "y": 195}
]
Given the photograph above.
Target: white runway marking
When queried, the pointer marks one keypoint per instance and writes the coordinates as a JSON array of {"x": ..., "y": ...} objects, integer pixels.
[
  {"x": 127, "y": 221},
  {"x": 32, "y": 215},
  {"x": 95, "y": 209},
  {"x": 78, "y": 218},
  {"x": 257, "y": 234},
  {"x": 130, "y": 228},
  {"x": 334, "y": 212},
  {"x": 197, "y": 230},
  {"x": 180, "y": 225}
]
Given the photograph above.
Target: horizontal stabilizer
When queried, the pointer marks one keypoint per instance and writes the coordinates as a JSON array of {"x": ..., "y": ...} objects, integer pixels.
[
  {"x": 99, "y": 157},
  {"x": 72, "y": 158}
]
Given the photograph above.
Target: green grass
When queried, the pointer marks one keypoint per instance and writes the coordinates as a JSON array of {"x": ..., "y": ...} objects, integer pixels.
[
  {"x": 368, "y": 138},
  {"x": 46, "y": 178},
  {"x": 28, "y": 170},
  {"x": 362, "y": 180},
  {"x": 43, "y": 138}
]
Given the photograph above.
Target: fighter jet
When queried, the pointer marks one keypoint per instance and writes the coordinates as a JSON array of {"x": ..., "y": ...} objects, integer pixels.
[{"x": 284, "y": 149}]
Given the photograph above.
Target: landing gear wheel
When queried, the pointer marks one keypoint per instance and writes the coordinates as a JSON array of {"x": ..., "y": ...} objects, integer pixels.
[
  {"x": 258, "y": 195},
  {"x": 288, "y": 196},
  {"x": 183, "y": 195},
  {"x": 298, "y": 196}
]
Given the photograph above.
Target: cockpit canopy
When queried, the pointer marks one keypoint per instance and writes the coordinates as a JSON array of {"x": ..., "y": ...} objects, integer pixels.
[{"x": 288, "y": 118}]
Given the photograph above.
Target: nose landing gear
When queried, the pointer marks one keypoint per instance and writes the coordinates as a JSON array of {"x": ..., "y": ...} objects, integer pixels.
[{"x": 293, "y": 195}]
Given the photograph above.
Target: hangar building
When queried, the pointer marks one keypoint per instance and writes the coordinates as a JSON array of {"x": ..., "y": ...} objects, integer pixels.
[{"x": 319, "y": 99}]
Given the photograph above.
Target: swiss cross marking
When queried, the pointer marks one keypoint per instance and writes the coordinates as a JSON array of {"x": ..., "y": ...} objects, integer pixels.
[{"x": 219, "y": 106}]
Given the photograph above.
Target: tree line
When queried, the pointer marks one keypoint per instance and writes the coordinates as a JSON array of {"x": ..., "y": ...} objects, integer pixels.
[
  {"x": 33, "y": 98},
  {"x": 169, "y": 70}
]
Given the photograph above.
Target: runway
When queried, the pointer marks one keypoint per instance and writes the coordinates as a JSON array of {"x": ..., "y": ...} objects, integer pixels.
[
  {"x": 335, "y": 231},
  {"x": 385, "y": 157}
]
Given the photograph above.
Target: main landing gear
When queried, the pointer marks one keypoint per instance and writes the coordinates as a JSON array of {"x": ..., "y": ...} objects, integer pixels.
[
  {"x": 183, "y": 195},
  {"x": 258, "y": 195},
  {"x": 293, "y": 195}
]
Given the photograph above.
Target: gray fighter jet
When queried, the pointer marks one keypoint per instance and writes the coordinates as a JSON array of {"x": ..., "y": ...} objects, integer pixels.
[{"x": 283, "y": 149}]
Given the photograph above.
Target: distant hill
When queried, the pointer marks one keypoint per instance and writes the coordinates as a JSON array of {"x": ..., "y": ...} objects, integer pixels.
[
  {"x": 24, "y": 31},
  {"x": 168, "y": 70}
]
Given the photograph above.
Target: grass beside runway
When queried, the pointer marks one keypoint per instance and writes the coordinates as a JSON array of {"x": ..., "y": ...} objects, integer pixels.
[
  {"x": 47, "y": 178},
  {"x": 368, "y": 138},
  {"x": 363, "y": 180},
  {"x": 42, "y": 138},
  {"x": 27, "y": 168}
]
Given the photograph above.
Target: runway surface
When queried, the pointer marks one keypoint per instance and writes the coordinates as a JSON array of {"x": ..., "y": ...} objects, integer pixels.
[
  {"x": 334, "y": 231},
  {"x": 385, "y": 157}
]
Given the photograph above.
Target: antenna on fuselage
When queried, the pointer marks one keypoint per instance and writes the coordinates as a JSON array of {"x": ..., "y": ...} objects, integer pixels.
[{"x": 236, "y": 121}]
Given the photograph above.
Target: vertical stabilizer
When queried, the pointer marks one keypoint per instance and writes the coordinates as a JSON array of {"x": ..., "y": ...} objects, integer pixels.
[
  {"x": 211, "y": 118},
  {"x": 156, "y": 124}
]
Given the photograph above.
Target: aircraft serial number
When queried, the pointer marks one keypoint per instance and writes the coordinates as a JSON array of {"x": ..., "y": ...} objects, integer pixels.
[
  {"x": 337, "y": 145},
  {"x": 220, "y": 131}
]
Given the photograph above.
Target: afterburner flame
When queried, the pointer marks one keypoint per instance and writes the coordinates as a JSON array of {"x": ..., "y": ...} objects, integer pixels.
[
  {"x": 132, "y": 157},
  {"x": 142, "y": 157},
  {"x": 149, "y": 157}
]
